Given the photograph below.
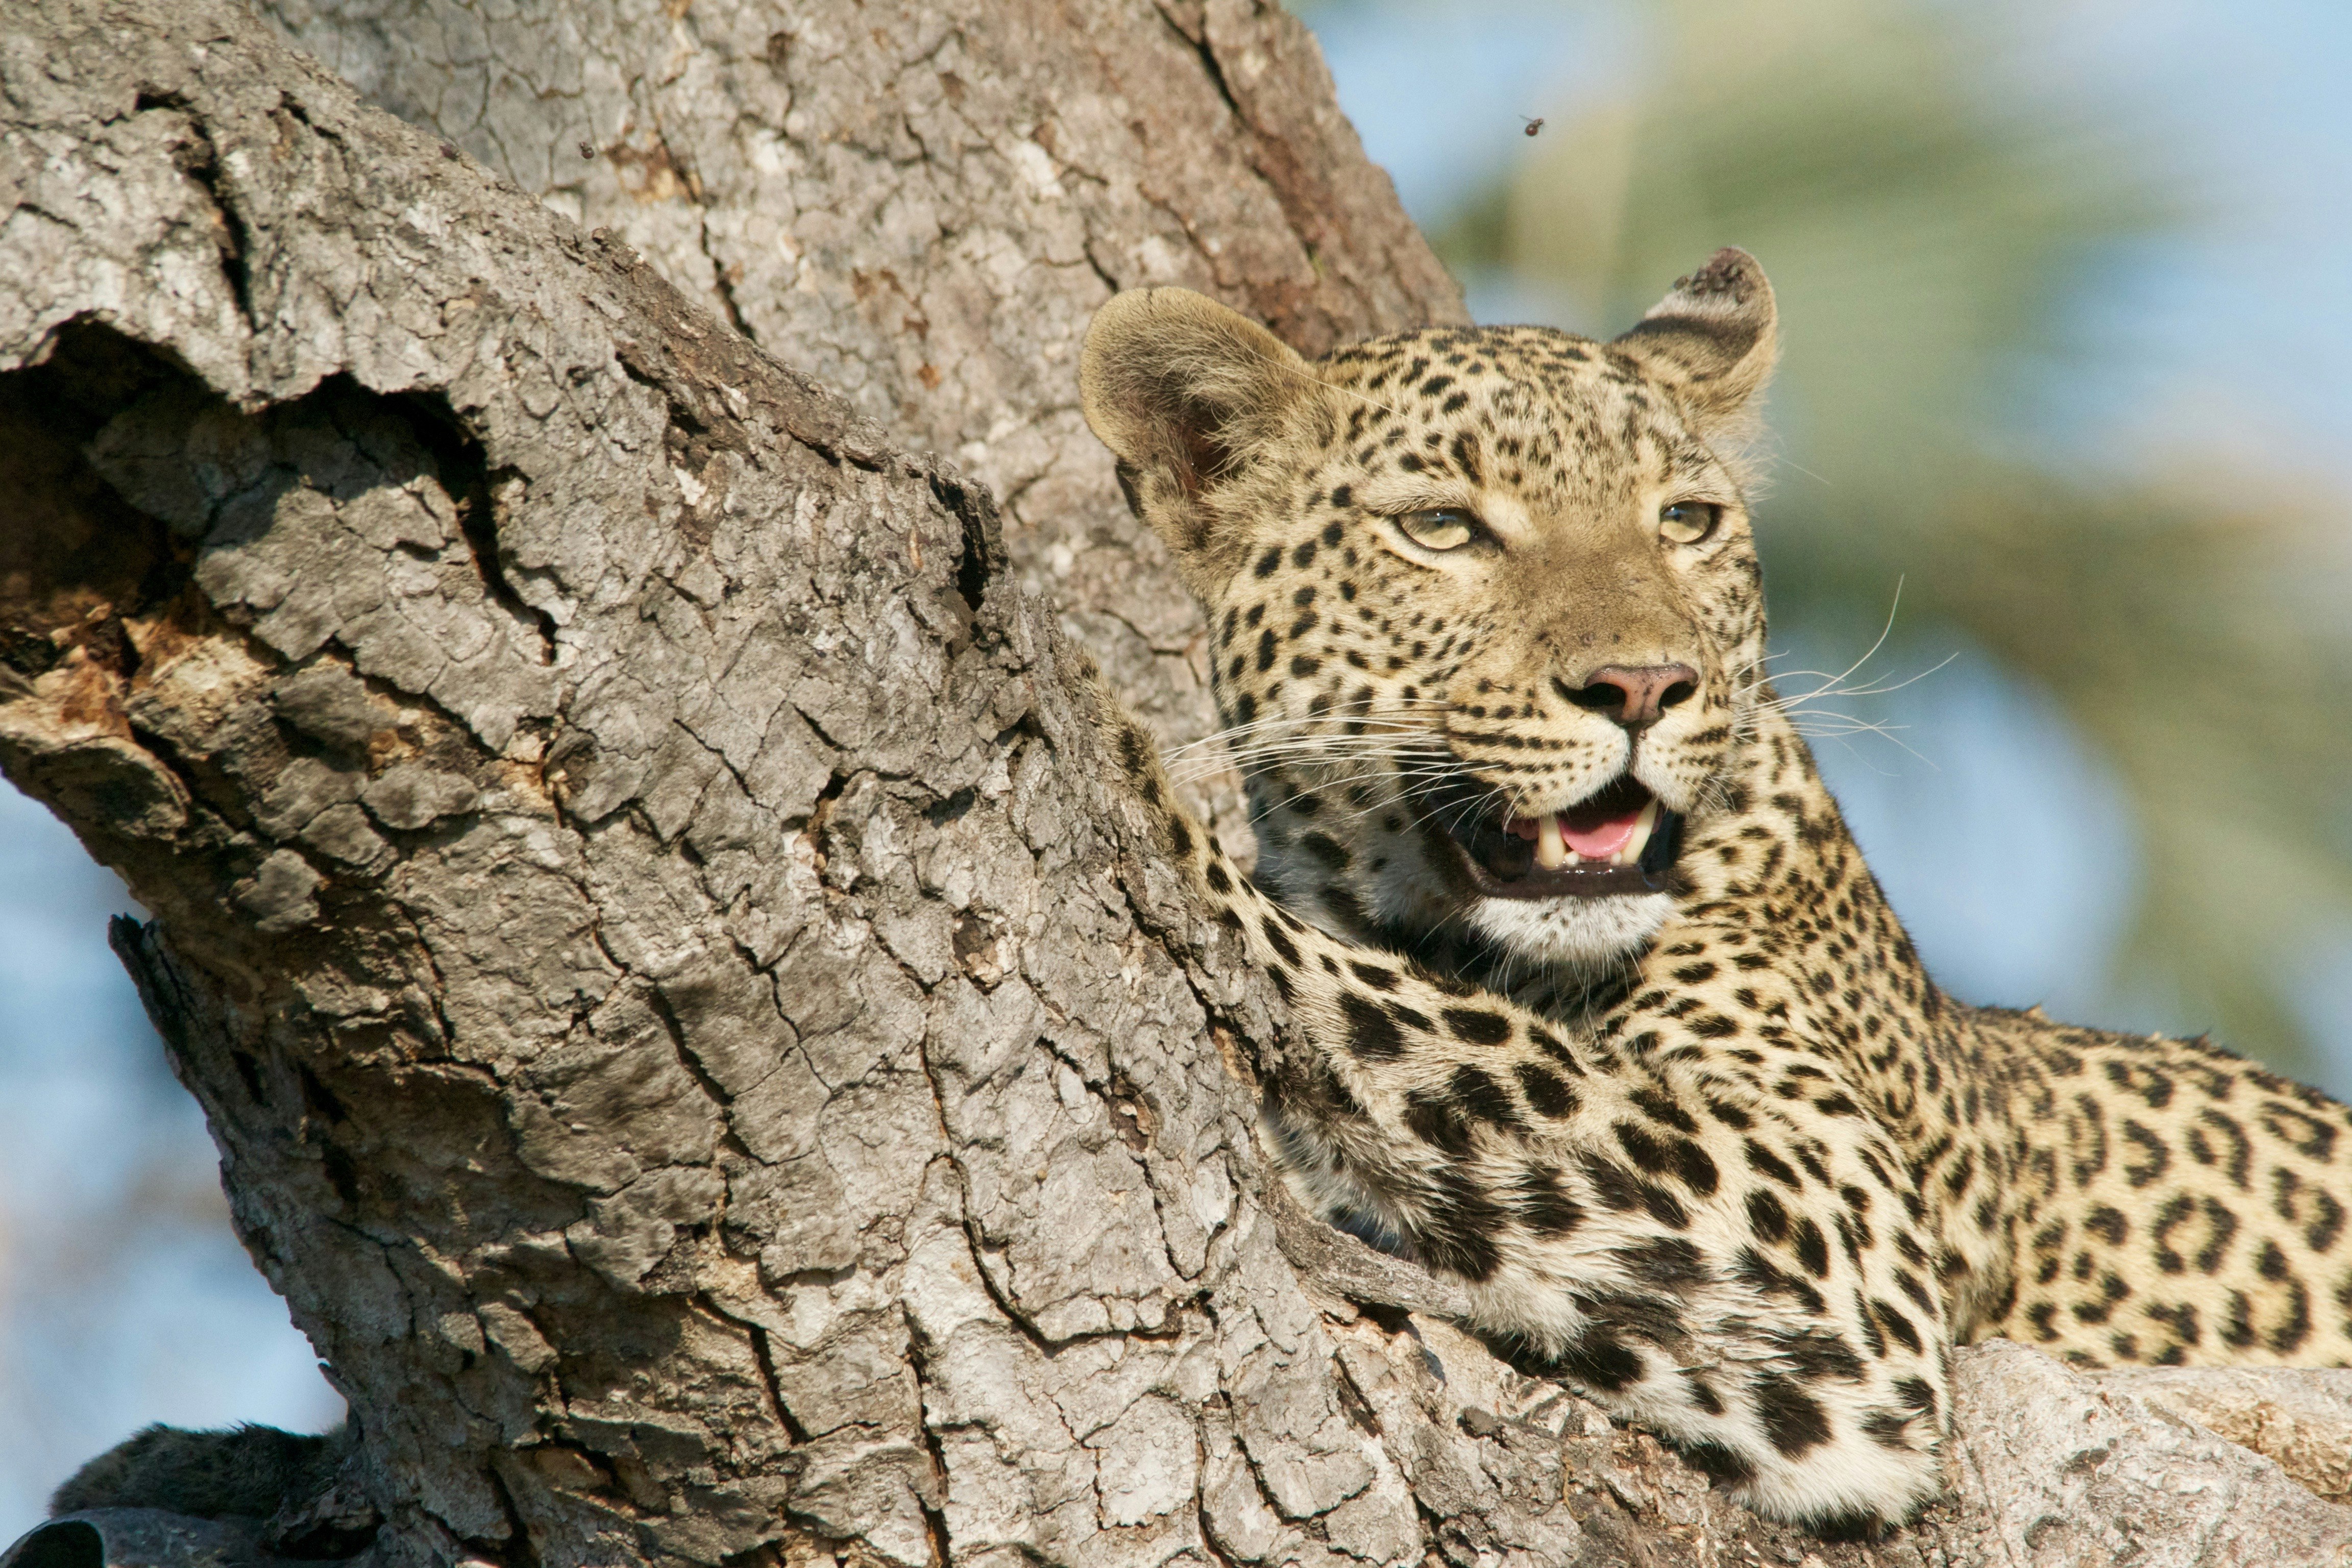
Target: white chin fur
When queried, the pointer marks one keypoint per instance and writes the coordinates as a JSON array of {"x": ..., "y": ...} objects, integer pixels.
[{"x": 1584, "y": 933}]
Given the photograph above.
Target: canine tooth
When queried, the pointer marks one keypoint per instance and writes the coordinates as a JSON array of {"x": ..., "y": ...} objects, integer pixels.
[
  {"x": 1629, "y": 852},
  {"x": 1551, "y": 850}
]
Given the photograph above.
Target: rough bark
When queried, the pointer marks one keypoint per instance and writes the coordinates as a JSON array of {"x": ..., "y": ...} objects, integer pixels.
[
  {"x": 921, "y": 202},
  {"x": 689, "y": 1026}
]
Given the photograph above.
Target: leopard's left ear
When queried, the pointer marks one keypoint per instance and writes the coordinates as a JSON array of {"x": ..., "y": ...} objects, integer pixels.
[{"x": 1713, "y": 338}]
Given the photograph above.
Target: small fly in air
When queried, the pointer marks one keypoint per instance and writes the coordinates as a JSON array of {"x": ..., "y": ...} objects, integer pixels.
[{"x": 1534, "y": 125}]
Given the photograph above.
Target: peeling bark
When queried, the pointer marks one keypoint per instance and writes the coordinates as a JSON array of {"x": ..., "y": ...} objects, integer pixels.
[{"x": 690, "y": 1027}]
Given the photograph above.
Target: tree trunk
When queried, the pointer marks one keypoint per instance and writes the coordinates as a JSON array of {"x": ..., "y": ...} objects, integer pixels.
[{"x": 689, "y": 1028}]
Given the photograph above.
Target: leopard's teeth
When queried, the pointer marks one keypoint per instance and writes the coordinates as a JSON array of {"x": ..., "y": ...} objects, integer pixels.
[
  {"x": 1629, "y": 852},
  {"x": 1551, "y": 847}
]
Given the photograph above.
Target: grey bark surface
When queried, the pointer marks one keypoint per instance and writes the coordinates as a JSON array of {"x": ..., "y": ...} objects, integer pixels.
[
  {"x": 2300, "y": 1417},
  {"x": 703, "y": 1048},
  {"x": 921, "y": 202}
]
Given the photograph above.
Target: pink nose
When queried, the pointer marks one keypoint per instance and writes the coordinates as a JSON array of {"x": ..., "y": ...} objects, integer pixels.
[{"x": 1634, "y": 696}]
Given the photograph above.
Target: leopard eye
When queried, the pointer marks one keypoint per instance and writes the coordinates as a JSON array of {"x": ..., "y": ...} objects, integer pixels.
[
  {"x": 1440, "y": 528},
  {"x": 1688, "y": 521}
]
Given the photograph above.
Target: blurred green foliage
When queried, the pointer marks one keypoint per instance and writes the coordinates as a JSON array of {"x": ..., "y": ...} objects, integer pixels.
[{"x": 1928, "y": 218}]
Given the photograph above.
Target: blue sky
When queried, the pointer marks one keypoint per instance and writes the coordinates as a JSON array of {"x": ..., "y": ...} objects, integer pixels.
[
  {"x": 125, "y": 1299},
  {"x": 2242, "y": 319},
  {"x": 2238, "y": 332}
]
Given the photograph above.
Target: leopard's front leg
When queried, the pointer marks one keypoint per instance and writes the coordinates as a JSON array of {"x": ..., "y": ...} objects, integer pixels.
[{"x": 1745, "y": 1274}]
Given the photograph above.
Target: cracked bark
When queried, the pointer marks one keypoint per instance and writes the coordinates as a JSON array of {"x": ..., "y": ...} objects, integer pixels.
[
  {"x": 690, "y": 1027},
  {"x": 921, "y": 203}
]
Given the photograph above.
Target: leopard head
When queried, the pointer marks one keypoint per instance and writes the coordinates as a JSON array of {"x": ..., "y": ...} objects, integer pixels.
[{"x": 1484, "y": 608}]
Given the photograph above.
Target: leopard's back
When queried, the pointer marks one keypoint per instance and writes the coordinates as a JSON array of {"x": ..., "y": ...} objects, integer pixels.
[{"x": 2176, "y": 1203}]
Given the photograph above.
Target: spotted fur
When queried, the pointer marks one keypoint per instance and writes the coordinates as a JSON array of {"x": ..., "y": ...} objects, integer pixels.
[{"x": 1718, "y": 1150}]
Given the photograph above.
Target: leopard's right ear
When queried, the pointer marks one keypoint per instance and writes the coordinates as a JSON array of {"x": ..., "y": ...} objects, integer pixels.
[{"x": 1180, "y": 388}]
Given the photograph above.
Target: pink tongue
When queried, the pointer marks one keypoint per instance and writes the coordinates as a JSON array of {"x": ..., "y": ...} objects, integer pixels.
[{"x": 1604, "y": 838}]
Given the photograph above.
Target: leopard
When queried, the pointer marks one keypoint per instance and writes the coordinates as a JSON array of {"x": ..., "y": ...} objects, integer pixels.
[{"x": 1601, "y": 1011}]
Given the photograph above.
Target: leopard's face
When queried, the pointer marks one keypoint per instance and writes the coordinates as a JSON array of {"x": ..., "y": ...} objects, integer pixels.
[
  {"x": 1487, "y": 619},
  {"x": 1486, "y": 609}
]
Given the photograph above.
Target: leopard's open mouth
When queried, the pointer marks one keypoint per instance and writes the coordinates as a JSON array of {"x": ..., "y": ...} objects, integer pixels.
[{"x": 1622, "y": 840}]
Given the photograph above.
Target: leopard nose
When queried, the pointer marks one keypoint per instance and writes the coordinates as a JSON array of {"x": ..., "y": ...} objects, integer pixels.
[{"x": 1634, "y": 696}]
